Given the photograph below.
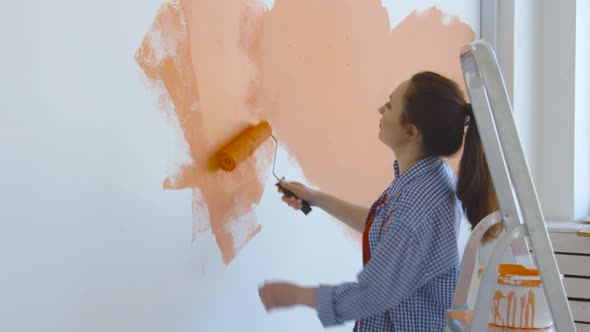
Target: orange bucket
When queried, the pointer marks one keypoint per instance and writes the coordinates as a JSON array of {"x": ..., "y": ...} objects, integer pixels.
[{"x": 519, "y": 300}]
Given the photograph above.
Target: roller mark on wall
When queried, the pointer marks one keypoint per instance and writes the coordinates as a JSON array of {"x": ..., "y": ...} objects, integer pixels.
[
  {"x": 316, "y": 70},
  {"x": 166, "y": 56}
]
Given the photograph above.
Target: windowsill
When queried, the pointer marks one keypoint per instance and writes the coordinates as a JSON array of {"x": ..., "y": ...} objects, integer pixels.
[{"x": 567, "y": 226}]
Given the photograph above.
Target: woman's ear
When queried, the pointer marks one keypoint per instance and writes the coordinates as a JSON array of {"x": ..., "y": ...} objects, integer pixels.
[{"x": 412, "y": 131}]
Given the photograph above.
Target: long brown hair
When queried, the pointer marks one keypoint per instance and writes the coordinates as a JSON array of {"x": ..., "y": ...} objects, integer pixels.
[
  {"x": 475, "y": 188},
  {"x": 437, "y": 107}
]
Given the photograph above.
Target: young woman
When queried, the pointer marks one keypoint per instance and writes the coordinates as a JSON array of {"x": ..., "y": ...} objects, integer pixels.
[{"x": 410, "y": 255}]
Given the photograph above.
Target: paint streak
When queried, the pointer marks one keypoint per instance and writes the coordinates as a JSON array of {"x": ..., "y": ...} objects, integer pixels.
[
  {"x": 511, "y": 304},
  {"x": 166, "y": 56},
  {"x": 316, "y": 70},
  {"x": 526, "y": 310},
  {"x": 529, "y": 310},
  {"x": 497, "y": 318}
]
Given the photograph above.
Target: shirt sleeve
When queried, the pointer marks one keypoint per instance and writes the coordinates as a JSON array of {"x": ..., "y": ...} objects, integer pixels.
[{"x": 393, "y": 274}]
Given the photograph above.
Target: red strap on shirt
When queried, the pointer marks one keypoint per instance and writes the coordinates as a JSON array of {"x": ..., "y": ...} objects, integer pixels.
[{"x": 366, "y": 248}]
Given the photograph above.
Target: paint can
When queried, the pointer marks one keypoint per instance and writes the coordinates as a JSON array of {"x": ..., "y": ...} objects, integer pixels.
[{"x": 519, "y": 300}]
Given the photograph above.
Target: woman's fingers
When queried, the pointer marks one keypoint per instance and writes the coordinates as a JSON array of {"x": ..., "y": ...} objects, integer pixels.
[
  {"x": 292, "y": 202},
  {"x": 265, "y": 297},
  {"x": 299, "y": 190},
  {"x": 278, "y": 294},
  {"x": 295, "y": 187},
  {"x": 295, "y": 203}
]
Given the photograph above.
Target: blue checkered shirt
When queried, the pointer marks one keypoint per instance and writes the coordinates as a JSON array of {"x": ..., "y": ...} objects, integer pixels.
[{"x": 408, "y": 283}]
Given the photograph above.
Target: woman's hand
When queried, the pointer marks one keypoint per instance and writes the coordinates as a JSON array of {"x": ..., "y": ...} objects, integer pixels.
[
  {"x": 351, "y": 214},
  {"x": 302, "y": 191},
  {"x": 283, "y": 294}
]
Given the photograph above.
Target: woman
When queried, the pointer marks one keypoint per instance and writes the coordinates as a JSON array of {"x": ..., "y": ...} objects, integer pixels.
[{"x": 410, "y": 255}]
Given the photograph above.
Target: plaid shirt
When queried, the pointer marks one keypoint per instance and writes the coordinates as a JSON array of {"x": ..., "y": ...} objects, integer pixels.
[{"x": 408, "y": 283}]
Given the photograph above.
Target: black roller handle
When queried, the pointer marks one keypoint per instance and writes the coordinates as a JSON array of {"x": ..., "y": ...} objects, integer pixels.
[{"x": 305, "y": 208}]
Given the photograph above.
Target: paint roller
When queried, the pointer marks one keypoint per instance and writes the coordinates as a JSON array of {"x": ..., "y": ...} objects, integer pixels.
[{"x": 244, "y": 145}]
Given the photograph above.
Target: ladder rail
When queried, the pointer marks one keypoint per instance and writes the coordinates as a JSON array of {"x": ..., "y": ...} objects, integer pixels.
[
  {"x": 470, "y": 258},
  {"x": 514, "y": 187},
  {"x": 483, "y": 113},
  {"x": 488, "y": 284},
  {"x": 530, "y": 207}
]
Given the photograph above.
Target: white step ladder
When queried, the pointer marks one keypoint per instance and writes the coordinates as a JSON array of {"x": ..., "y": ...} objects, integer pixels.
[{"x": 519, "y": 206}]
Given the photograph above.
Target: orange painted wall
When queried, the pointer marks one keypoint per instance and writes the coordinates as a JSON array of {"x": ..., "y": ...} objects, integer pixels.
[{"x": 316, "y": 70}]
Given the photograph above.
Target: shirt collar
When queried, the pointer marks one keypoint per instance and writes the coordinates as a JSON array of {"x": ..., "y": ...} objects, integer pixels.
[
  {"x": 396, "y": 168},
  {"x": 417, "y": 169}
]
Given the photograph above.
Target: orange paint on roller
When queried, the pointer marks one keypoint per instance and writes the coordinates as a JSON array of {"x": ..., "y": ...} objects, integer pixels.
[{"x": 243, "y": 146}]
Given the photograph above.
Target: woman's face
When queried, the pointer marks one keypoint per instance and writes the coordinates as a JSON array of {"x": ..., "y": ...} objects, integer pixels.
[{"x": 392, "y": 133}]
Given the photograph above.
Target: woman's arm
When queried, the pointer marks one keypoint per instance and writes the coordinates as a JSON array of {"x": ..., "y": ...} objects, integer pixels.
[
  {"x": 351, "y": 214},
  {"x": 394, "y": 272},
  {"x": 285, "y": 294}
]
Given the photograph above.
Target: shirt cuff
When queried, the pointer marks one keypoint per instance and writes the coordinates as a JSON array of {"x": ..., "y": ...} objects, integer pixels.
[{"x": 325, "y": 306}]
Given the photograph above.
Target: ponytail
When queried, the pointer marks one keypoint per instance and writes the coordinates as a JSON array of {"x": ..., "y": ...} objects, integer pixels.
[
  {"x": 437, "y": 107},
  {"x": 475, "y": 188}
]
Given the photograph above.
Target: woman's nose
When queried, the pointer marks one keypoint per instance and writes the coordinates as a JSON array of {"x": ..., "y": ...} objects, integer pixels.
[{"x": 381, "y": 109}]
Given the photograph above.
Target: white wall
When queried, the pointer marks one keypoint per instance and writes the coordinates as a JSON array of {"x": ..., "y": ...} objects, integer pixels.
[
  {"x": 526, "y": 95},
  {"x": 557, "y": 66},
  {"x": 544, "y": 59},
  {"x": 467, "y": 10},
  {"x": 89, "y": 240},
  {"x": 582, "y": 111}
]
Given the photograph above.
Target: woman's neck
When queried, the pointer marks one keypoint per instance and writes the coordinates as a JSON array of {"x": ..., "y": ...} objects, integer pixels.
[{"x": 407, "y": 159}]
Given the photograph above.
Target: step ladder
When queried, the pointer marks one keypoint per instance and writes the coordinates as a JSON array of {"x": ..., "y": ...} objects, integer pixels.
[{"x": 526, "y": 234}]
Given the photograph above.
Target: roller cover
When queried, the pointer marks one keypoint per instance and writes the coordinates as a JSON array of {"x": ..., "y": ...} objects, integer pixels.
[{"x": 242, "y": 146}]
